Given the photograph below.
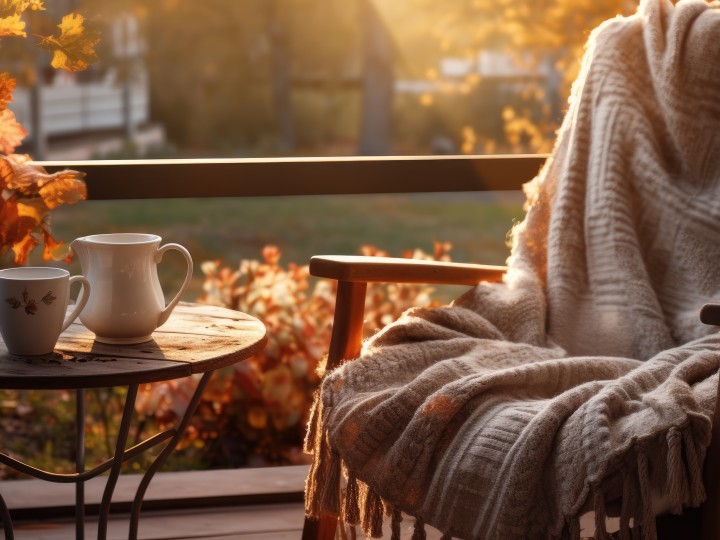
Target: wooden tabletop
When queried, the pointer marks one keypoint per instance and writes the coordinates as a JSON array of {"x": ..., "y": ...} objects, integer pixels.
[{"x": 195, "y": 339}]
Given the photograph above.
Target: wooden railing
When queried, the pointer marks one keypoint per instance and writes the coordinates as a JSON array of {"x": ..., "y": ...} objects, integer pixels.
[{"x": 150, "y": 179}]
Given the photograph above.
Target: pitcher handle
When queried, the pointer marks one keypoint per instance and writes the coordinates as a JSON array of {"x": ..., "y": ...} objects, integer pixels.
[
  {"x": 165, "y": 313},
  {"x": 81, "y": 301}
]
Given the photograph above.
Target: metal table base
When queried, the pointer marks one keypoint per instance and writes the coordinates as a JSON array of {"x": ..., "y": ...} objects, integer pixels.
[{"x": 122, "y": 454}]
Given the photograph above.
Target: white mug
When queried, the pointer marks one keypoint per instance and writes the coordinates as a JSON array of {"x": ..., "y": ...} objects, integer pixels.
[
  {"x": 34, "y": 303},
  {"x": 126, "y": 304}
]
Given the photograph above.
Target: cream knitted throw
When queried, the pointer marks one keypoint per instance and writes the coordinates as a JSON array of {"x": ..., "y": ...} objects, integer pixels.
[{"x": 585, "y": 380}]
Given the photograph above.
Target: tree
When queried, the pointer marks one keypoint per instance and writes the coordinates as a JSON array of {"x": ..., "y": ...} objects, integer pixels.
[
  {"x": 377, "y": 83},
  {"x": 552, "y": 31},
  {"x": 233, "y": 80},
  {"x": 277, "y": 77}
]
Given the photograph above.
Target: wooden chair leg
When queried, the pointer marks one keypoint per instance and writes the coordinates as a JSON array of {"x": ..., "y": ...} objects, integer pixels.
[
  {"x": 346, "y": 338},
  {"x": 321, "y": 529},
  {"x": 345, "y": 343},
  {"x": 710, "y": 523}
]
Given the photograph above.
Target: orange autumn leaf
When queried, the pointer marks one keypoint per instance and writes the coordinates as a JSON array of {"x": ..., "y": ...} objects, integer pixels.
[
  {"x": 73, "y": 49},
  {"x": 25, "y": 241},
  {"x": 8, "y": 220},
  {"x": 53, "y": 250},
  {"x": 65, "y": 187},
  {"x": 29, "y": 193},
  {"x": 19, "y": 173},
  {"x": 16, "y": 231},
  {"x": 7, "y": 85},
  {"x": 31, "y": 209},
  {"x": 11, "y": 132}
]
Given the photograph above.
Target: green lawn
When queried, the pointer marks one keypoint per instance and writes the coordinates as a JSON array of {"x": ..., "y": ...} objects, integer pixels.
[{"x": 237, "y": 228}]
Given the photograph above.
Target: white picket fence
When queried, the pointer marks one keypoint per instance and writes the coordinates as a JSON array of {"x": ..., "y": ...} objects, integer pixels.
[{"x": 69, "y": 109}]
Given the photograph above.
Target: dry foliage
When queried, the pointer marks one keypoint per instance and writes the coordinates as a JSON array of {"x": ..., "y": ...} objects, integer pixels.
[
  {"x": 258, "y": 409},
  {"x": 28, "y": 192}
]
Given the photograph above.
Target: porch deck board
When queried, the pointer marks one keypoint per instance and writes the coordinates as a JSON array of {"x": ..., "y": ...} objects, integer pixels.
[
  {"x": 261, "y": 522},
  {"x": 242, "y": 504},
  {"x": 277, "y": 521}
]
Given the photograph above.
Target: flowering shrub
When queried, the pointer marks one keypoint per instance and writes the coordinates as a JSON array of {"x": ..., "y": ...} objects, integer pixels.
[{"x": 256, "y": 411}]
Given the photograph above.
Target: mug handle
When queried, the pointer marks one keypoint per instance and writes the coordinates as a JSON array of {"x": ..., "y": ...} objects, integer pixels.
[
  {"x": 165, "y": 313},
  {"x": 81, "y": 301}
]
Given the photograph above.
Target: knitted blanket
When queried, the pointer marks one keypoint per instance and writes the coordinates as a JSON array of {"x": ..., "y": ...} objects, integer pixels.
[{"x": 584, "y": 380}]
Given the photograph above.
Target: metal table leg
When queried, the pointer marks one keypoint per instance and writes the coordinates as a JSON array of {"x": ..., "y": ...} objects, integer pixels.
[
  {"x": 155, "y": 465},
  {"x": 80, "y": 463},
  {"x": 118, "y": 459},
  {"x": 6, "y": 521},
  {"x": 114, "y": 464}
]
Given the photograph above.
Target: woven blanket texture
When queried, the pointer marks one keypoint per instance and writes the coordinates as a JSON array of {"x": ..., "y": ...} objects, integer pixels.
[{"x": 584, "y": 380}]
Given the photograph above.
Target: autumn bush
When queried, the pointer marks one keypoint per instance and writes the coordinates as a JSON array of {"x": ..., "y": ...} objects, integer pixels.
[
  {"x": 256, "y": 411},
  {"x": 253, "y": 413}
]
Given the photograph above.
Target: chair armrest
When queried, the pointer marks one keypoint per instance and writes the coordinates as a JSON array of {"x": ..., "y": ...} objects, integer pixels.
[
  {"x": 392, "y": 270},
  {"x": 710, "y": 314}
]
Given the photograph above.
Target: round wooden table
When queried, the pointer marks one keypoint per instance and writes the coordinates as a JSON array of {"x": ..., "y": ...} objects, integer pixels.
[{"x": 196, "y": 339}]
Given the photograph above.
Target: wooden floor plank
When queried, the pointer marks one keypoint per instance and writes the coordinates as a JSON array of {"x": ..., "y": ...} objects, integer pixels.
[
  {"x": 246, "y": 522},
  {"x": 166, "y": 486},
  {"x": 269, "y": 522}
]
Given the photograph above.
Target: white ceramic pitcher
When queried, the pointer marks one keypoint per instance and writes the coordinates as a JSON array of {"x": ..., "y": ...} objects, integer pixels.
[{"x": 126, "y": 301}]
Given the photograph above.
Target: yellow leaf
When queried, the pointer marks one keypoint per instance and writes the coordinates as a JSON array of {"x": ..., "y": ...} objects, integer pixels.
[
  {"x": 11, "y": 132},
  {"x": 12, "y": 26},
  {"x": 17, "y": 7},
  {"x": 73, "y": 49},
  {"x": 32, "y": 209}
]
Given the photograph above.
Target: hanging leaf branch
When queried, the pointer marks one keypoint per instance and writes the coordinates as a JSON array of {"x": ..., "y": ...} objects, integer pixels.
[
  {"x": 73, "y": 49},
  {"x": 27, "y": 192}
]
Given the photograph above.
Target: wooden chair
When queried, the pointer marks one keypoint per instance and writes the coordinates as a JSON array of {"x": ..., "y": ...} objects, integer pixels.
[{"x": 353, "y": 273}]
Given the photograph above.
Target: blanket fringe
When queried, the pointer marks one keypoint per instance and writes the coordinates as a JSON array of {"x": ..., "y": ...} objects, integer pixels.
[
  {"x": 314, "y": 420},
  {"x": 357, "y": 504},
  {"x": 315, "y": 444},
  {"x": 676, "y": 481},
  {"x": 574, "y": 528},
  {"x": 372, "y": 514},
  {"x": 419, "y": 530},
  {"x": 600, "y": 512},
  {"x": 626, "y": 509},
  {"x": 697, "y": 490},
  {"x": 395, "y": 523},
  {"x": 331, "y": 490},
  {"x": 648, "y": 518},
  {"x": 351, "y": 503}
]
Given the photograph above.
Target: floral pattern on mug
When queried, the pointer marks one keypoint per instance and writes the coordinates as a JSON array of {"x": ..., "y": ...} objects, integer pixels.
[{"x": 30, "y": 304}]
